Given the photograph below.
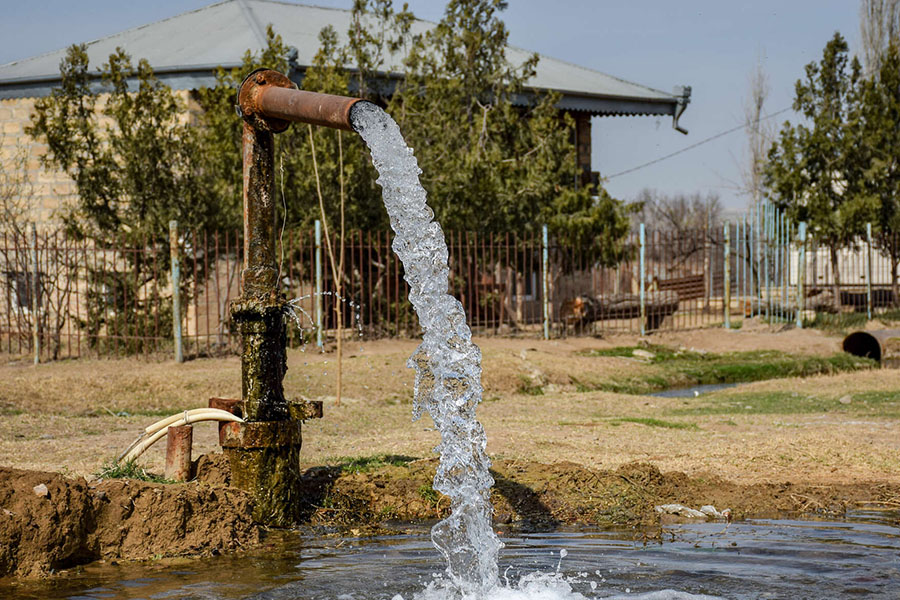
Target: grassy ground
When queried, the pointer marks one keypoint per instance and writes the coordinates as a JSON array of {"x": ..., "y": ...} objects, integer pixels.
[
  {"x": 844, "y": 323},
  {"x": 669, "y": 368},
  {"x": 816, "y": 424}
]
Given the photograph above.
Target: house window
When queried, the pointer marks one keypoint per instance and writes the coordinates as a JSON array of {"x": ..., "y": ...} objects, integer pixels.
[{"x": 19, "y": 290}]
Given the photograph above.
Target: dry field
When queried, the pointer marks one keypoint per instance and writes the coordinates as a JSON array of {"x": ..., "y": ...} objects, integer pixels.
[{"x": 73, "y": 416}]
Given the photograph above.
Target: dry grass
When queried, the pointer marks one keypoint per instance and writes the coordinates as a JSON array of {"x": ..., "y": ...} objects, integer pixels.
[{"x": 75, "y": 415}]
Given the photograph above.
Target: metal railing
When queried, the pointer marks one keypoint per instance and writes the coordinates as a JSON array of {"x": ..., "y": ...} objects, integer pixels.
[{"x": 61, "y": 298}]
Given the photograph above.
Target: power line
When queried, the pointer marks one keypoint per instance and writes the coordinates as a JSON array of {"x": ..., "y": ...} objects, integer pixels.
[{"x": 695, "y": 145}]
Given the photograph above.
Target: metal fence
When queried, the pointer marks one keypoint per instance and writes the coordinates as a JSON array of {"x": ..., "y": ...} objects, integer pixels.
[{"x": 63, "y": 298}]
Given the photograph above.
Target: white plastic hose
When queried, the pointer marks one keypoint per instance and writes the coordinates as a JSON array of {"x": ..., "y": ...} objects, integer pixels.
[{"x": 153, "y": 433}]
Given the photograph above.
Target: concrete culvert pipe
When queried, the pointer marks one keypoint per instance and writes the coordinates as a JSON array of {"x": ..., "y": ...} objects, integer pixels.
[{"x": 882, "y": 345}]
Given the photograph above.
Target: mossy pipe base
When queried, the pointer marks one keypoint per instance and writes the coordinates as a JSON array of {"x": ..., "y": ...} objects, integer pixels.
[
  {"x": 265, "y": 460},
  {"x": 263, "y": 360}
]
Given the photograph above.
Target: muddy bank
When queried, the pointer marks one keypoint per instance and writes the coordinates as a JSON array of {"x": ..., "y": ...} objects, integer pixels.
[
  {"x": 536, "y": 496},
  {"x": 49, "y": 522},
  {"x": 73, "y": 522}
]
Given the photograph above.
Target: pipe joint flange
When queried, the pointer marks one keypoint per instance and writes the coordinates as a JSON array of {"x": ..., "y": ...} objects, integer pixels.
[
  {"x": 261, "y": 434},
  {"x": 262, "y": 309},
  {"x": 249, "y": 99}
]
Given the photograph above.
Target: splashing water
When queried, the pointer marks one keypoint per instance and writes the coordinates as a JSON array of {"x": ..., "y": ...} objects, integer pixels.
[
  {"x": 447, "y": 363},
  {"x": 448, "y": 386}
]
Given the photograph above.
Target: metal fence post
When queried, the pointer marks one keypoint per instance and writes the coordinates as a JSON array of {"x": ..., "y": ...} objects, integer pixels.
[
  {"x": 726, "y": 272},
  {"x": 35, "y": 298},
  {"x": 320, "y": 341},
  {"x": 801, "y": 274},
  {"x": 767, "y": 232},
  {"x": 785, "y": 264},
  {"x": 755, "y": 252},
  {"x": 869, "y": 271},
  {"x": 643, "y": 279},
  {"x": 545, "y": 281},
  {"x": 175, "y": 263}
]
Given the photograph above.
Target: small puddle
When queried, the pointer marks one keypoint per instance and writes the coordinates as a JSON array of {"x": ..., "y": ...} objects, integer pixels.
[
  {"x": 691, "y": 392},
  {"x": 855, "y": 557}
]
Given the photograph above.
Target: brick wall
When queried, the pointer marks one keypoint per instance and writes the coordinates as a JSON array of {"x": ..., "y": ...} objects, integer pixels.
[{"x": 51, "y": 190}]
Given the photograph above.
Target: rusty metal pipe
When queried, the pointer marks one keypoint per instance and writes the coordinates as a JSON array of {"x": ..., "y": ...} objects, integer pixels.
[
  {"x": 307, "y": 107},
  {"x": 269, "y": 101},
  {"x": 179, "y": 441}
]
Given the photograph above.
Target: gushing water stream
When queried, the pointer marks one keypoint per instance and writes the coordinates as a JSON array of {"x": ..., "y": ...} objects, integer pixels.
[{"x": 447, "y": 363}]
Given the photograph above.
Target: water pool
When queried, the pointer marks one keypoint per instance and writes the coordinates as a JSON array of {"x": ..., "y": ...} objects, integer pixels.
[{"x": 858, "y": 557}]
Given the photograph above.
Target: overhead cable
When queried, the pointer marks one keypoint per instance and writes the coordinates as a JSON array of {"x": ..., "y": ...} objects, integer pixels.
[{"x": 697, "y": 144}]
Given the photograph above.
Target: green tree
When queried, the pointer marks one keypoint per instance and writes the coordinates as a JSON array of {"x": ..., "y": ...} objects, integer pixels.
[
  {"x": 127, "y": 146},
  {"x": 815, "y": 169},
  {"x": 122, "y": 136},
  {"x": 492, "y": 162},
  {"x": 881, "y": 134}
]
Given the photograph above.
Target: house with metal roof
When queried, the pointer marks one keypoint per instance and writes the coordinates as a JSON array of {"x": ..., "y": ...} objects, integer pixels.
[{"x": 185, "y": 50}]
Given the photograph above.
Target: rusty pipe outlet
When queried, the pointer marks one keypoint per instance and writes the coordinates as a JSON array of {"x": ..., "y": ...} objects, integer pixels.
[
  {"x": 882, "y": 345},
  {"x": 268, "y": 100}
]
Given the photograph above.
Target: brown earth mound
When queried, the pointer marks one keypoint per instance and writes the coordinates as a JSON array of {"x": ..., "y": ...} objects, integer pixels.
[
  {"x": 533, "y": 495},
  {"x": 49, "y": 522}
]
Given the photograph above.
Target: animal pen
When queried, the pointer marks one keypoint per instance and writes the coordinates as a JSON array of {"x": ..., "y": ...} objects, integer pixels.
[{"x": 70, "y": 298}]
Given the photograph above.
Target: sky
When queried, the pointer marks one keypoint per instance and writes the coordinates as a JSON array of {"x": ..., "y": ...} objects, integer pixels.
[{"x": 710, "y": 45}]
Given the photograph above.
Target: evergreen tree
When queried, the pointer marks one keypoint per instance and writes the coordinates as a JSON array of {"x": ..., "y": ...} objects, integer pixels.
[
  {"x": 129, "y": 149},
  {"x": 122, "y": 136},
  {"x": 492, "y": 162},
  {"x": 881, "y": 135},
  {"x": 815, "y": 169}
]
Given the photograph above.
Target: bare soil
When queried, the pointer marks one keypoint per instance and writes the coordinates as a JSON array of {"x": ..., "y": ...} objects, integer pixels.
[
  {"x": 51, "y": 522},
  {"x": 560, "y": 457}
]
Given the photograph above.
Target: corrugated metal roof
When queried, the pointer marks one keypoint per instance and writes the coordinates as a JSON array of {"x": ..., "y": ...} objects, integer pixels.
[{"x": 185, "y": 49}]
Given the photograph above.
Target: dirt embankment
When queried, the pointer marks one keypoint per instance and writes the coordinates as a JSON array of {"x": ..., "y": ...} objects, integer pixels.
[
  {"x": 532, "y": 495},
  {"x": 49, "y": 522}
]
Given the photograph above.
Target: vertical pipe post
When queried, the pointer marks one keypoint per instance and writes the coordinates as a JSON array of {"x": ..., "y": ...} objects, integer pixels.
[
  {"x": 801, "y": 274},
  {"x": 545, "y": 281},
  {"x": 726, "y": 300},
  {"x": 643, "y": 279},
  {"x": 179, "y": 442},
  {"x": 320, "y": 341},
  {"x": 175, "y": 266},
  {"x": 35, "y": 298},
  {"x": 869, "y": 271}
]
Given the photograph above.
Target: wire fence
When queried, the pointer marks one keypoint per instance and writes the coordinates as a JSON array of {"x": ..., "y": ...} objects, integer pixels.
[{"x": 62, "y": 298}]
